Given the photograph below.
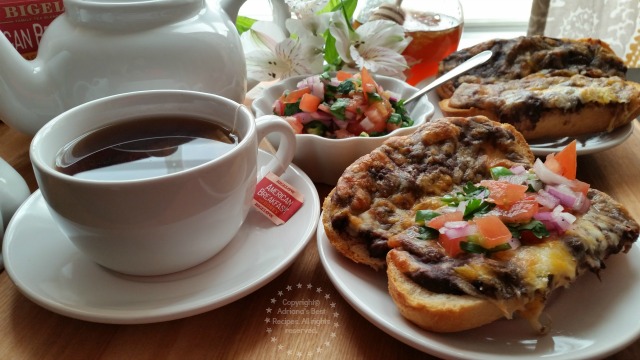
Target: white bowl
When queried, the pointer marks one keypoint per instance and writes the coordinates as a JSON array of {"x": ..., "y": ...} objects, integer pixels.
[{"x": 324, "y": 159}]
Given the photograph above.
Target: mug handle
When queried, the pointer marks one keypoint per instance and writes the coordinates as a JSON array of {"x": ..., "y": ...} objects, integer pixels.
[{"x": 286, "y": 150}]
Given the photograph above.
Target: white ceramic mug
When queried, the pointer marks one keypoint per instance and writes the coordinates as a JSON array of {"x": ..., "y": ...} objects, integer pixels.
[{"x": 162, "y": 224}]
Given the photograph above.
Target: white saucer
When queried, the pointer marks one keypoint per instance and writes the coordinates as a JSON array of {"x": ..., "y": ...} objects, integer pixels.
[
  {"x": 50, "y": 271},
  {"x": 587, "y": 144},
  {"x": 591, "y": 320}
]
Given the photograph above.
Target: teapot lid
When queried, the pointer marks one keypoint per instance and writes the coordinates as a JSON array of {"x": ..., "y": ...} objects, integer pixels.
[{"x": 124, "y": 14}]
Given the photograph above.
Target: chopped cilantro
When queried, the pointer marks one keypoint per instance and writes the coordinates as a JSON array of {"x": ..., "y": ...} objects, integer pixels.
[
  {"x": 395, "y": 118},
  {"x": 476, "y": 207},
  {"x": 292, "y": 108},
  {"x": 315, "y": 127},
  {"x": 374, "y": 97},
  {"x": 423, "y": 216},
  {"x": 474, "y": 248},
  {"x": 338, "y": 108},
  {"x": 346, "y": 87},
  {"x": 535, "y": 226},
  {"x": 499, "y": 171},
  {"x": 427, "y": 233}
]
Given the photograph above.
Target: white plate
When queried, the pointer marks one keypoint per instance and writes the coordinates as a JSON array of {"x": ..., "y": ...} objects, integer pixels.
[
  {"x": 50, "y": 271},
  {"x": 587, "y": 144},
  {"x": 591, "y": 320}
]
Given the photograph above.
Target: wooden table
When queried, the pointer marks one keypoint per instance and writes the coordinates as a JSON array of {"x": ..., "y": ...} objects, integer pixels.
[{"x": 237, "y": 331}]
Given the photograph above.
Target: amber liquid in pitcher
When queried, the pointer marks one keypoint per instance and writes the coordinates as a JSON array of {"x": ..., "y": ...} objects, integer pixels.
[{"x": 434, "y": 36}]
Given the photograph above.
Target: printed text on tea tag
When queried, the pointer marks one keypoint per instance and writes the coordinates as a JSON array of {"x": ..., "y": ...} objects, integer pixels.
[{"x": 276, "y": 199}]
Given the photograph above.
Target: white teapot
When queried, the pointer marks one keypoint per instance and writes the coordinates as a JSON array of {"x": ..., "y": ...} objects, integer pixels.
[
  {"x": 13, "y": 192},
  {"x": 98, "y": 48}
]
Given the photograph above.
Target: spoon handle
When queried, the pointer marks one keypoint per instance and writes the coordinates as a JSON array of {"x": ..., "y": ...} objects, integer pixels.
[{"x": 476, "y": 60}]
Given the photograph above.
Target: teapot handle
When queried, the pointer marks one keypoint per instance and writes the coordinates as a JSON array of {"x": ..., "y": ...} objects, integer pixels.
[{"x": 280, "y": 11}]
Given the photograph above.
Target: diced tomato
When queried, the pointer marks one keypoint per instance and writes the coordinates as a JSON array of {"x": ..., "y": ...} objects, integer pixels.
[
  {"x": 521, "y": 211},
  {"x": 579, "y": 186},
  {"x": 342, "y": 75},
  {"x": 439, "y": 221},
  {"x": 568, "y": 160},
  {"x": 528, "y": 238},
  {"x": 492, "y": 230},
  {"x": 325, "y": 107},
  {"x": 343, "y": 134},
  {"x": 451, "y": 246},
  {"x": 295, "y": 123},
  {"x": 565, "y": 162},
  {"x": 355, "y": 128},
  {"x": 309, "y": 103},
  {"x": 295, "y": 95},
  {"x": 368, "y": 84},
  {"x": 503, "y": 193},
  {"x": 552, "y": 164},
  {"x": 391, "y": 126},
  {"x": 377, "y": 116}
]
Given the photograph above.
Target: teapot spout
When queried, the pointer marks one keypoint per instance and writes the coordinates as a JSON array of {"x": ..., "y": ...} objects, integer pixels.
[{"x": 26, "y": 99}]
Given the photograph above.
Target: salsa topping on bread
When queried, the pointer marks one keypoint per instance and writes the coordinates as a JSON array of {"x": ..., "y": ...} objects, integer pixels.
[
  {"x": 514, "y": 207},
  {"x": 469, "y": 226}
]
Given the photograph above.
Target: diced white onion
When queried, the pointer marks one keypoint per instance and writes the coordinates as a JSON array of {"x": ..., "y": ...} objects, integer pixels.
[
  {"x": 518, "y": 169},
  {"x": 547, "y": 176},
  {"x": 367, "y": 124}
]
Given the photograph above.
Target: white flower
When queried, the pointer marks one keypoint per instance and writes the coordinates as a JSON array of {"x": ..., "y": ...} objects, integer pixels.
[
  {"x": 376, "y": 45},
  {"x": 306, "y": 8},
  {"x": 270, "y": 55},
  {"x": 310, "y": 25}
]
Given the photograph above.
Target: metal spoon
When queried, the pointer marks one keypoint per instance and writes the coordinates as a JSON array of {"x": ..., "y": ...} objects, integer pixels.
[{"x": 476, "y": 60}]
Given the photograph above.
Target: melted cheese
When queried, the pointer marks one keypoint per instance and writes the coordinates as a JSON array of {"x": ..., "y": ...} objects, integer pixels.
[
  {"x": 550, "y": 258},
  {"x": 552, "y": 92}
]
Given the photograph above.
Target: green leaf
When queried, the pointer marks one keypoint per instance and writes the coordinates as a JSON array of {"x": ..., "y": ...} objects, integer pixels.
[
  {"x": 374, "y": 97},
  {"x": 499, "y": 171},
  {"x": 427, "y": 233},
  {"x": 346, "y": 87},
  {"x": 315, "y": 127},
  {"x": 475, "y": 248},
  {"x": 535, "y": 226},
  {"x": 292, "y": 108},
  {"x": 338, "y": 108},
  {"x": 477, "y": 207},
  {"x": 423, "y": 216},
  {"x": 244, "y": 23},
  {"x": 330, "y": 53},
  {"x": 472, "y": 247},
  {"x": 395, "y": 118}
]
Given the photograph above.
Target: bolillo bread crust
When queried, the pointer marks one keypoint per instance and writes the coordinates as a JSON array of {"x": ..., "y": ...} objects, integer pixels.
[
  {"x": 439, "y": 312},
  {"x": 550, "y": 107}
]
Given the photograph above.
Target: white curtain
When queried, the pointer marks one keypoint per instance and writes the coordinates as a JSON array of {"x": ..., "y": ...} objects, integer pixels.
[{"x": 615, "y": 21}]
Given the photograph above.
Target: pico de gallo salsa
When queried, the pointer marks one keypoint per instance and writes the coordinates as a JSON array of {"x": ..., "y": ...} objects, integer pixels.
[
  {"x": 342, "y": 106},
  {"x": 516, "y": 207}
]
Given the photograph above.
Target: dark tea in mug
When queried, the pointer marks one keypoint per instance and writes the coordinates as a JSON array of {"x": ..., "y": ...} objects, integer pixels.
[{"x": 145, "y": 148}]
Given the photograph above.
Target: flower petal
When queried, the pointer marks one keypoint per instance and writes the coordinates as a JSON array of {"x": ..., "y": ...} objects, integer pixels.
[
  {"x": 309, "y": 26},
  {"x": 380, "y": 60},
  {"x": 306, "y": 8},
  {"x": 261, "y": 65},
  {"x": 384, "y": 33},
  {"x": 339, "y": 28},
  {"x": 263, "y": 34}
]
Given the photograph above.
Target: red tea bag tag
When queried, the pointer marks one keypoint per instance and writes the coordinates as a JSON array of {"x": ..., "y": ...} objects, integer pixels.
[{"x": 276, "y": 199}]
